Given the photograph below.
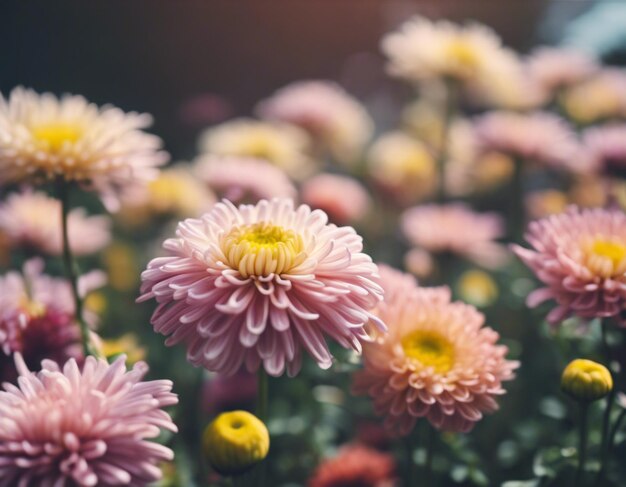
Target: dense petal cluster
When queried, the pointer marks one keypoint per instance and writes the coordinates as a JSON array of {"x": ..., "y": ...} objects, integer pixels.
[
  {"x": 457, "y": 229},
  {"x": 580, "y": 256},
  {"x": 437, "y": 360},
  {"x": 90, "y": 427},
  {"x": 44, "y": 138},
  {"x": 259, "y": 283},
  {"x": 33, "y": 220}
]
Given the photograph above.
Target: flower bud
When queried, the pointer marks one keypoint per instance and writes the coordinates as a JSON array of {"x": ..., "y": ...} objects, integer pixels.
[
  {"x": 235, "y": 441},
  {"x": 585, "y": 380}
]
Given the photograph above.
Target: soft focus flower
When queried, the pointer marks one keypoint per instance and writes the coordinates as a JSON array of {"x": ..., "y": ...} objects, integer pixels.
[
  {"x": 33, "y": 220},
  {"x": 539, "y": 137},
  {"x": 403, "y": 167},
  {"x": 334, "y": 119},
  {"x": 243, "y": 179},
  {"x": 457, "y": 229},
  {"x": 235, "y": 442},
  {"x": 43, "y": 138},
  {"x": 605, "y": 149},
  {"x": 478, "y": 288},
  {"x": 67, "y": 426},
  {"x": 600, "y": 97},
  {"x": 422, "y": 49},
  {"x": 37, "y": 316},
  {"x": 555, "y": 67},
  {"x": 343, "y": 198},
  {"x": 419, "y": 262},
  {"x": 222, "y": 392},
  {"x": 580, "y": 256},
  {"x": 285, "y": 146},
  {"x": 120, "y": 260},
  {"x": 586, "y": 381},
  {"x": 356, "y": 465},
  {"x": 545, "y": 202},
  {"x": 260, "y": 282},
  {"x": 127, "y": 345},
  {"x": 437, "y": 360}
]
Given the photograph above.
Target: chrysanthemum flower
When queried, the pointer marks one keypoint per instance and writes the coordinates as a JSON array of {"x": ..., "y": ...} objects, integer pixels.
[
  {"x": 243, "y": 179},
  {"x": 344, "y": 199},
  {"x": 539, "y": 137},
  {"x": 89, "y": 427},
  {"x": 44, "y": 138},
  {"x": 457, "y": 229},
  {"x": 437, "y": 360},
  {"x": 356, "y": 465},
  {"x": 285, "y": 146},
  {"x": 33, "y": 220},
  {"x": 334, "y": 119},
  {"x": 605, "y": 149},
  {"x": 556, "y": 67},
  {"x": 580, "y": 256},
  {"x": 260, "y": 282}
]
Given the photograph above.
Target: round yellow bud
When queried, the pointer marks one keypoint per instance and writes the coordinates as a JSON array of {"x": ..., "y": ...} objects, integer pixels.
[
  {"x": 586, "y": 380},
  {"x": 235, "y": 441}
]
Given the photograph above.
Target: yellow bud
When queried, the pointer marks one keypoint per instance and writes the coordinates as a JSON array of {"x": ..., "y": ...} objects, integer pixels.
[
  {"x": 586, "y": 380},
  {"x": 477, "y": 288},
  {"x": 235, "y": 441}
]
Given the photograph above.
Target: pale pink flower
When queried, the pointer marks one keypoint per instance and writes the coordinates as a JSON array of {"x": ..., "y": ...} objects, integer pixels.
[
  {"x": 605, "y": 149},
  {"x": 335, "y": 120},
  {"x": 538, "y": 137},
  {"x": 580, "y": 257},
  {"x": 343, "y": 198},
  {"x": 457, "y": 229},
  {"x": 437, "y": 360},
  {"x": 89, "y": 427},
  {"x": 33, "y": 220},
  {"x": 243, "y": 179},
  {"x": 259, "y": 283},
  {"x": 556, "y": 67}
]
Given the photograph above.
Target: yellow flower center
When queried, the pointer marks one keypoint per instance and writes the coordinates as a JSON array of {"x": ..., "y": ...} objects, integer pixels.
[
  {"x": 607, "y": 257},
  {"x": 462, "y": 53},
  {"x": 32, "y": 308},
  {"x": 56, "y": 135},
  {"x": 260, "y": 147},
  {"x": 261, "y": 249},
  {"x": 430, "y": 349}
]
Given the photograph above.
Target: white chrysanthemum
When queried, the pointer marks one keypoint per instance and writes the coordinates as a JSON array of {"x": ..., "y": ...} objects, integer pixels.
[
  {"x": 285, "y": 146},
  {"x": 44, "y": 138}
]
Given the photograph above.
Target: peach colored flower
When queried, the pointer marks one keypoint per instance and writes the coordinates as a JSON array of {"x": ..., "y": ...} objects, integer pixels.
[{"x": 344, "y": 199}]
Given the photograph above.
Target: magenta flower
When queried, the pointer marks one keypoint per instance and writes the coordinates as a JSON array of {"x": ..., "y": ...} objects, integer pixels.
[
  {"x": 258, "y": 283},
  {"x": 89, "y": 427},
  {"x": 580, "y": 256}
]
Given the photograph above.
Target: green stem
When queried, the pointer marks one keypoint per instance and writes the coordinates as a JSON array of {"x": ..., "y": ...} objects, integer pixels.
[
  {"x": 430, "y": 453},
  {"x": 449, "y": 109},
  {"x": 606, "y": 457},
  {"x": 71, "y": 270},
  {"x": 606, "y": 421},
  {"x": 582, "y": 443},
  {"x": 262, "y": 414},
  {"x": 410, "y": 443}
]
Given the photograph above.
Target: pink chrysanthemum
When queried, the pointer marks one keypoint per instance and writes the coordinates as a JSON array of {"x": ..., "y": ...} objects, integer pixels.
[
  {"x": 605, "y": 149},
  {"x": 260, "y": 282},
  {"x": 33, "y": 219},
  {"x": 358, "y": 466},
  {"x": 89, "y": 427},
  {"x": 580, "y": 256},
  {"x": 437, "y": 360},
  {"x": 343, "y": 198},
  {"x": 555, "y": 68},
  {"x": 243, "y": 179},
  {"x": 538, "y": 137},
  {"x": 457, "y": 229}
]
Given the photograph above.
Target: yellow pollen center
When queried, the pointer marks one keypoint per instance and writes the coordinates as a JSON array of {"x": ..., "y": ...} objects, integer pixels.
[
  {"x": 430, "y": 349},
  {"x": 606, "y": 257},
  {"x": 260, "y": 147},
  {"x": 462, "y": 53},
  {"x": 55, "y": 135},
  {"x": 32, "y": 308},
  {"x": 261, "y": 249}
]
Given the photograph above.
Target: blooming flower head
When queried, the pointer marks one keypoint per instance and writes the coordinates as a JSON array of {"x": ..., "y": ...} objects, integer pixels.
[
  {"x": 244, "y": 179},
  {"x": 334, "y": 119},
  {"x": 67, "y": 426},
  {"x": 344, "y": 199},
  {"x": 356, "y": 465},
  {"x": 33, "y": 219},
  {"x": 403, "y": 167},
  {"x": 259, "y": 283},
  {"x": 285, "y": 146},
  {"x": 437, "y": 360},
  {"x": 555, "y": 68},
  {"x": 457, "y": 229},
  {"x": 538, "y": 137},
  {"x": 601, "y": 97},
  {"x": 44, "y": 138},
  {"x": 422, "y": 49},
  {"x": 580, "y": 257},
  {"x": 605, "y": 149}
]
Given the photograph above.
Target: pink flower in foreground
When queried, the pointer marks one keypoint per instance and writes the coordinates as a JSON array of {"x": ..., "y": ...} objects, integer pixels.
[
  {"x": 437, "y": 360},
  {"x": 89, "y": 427},
  {"x": 33, "y": 219},
  {"x": 457, "y": 229},
  {"x": 580, "y": 256},
  {"x": 343, "y": 198},
  {"x": 260, "y": 282}
]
